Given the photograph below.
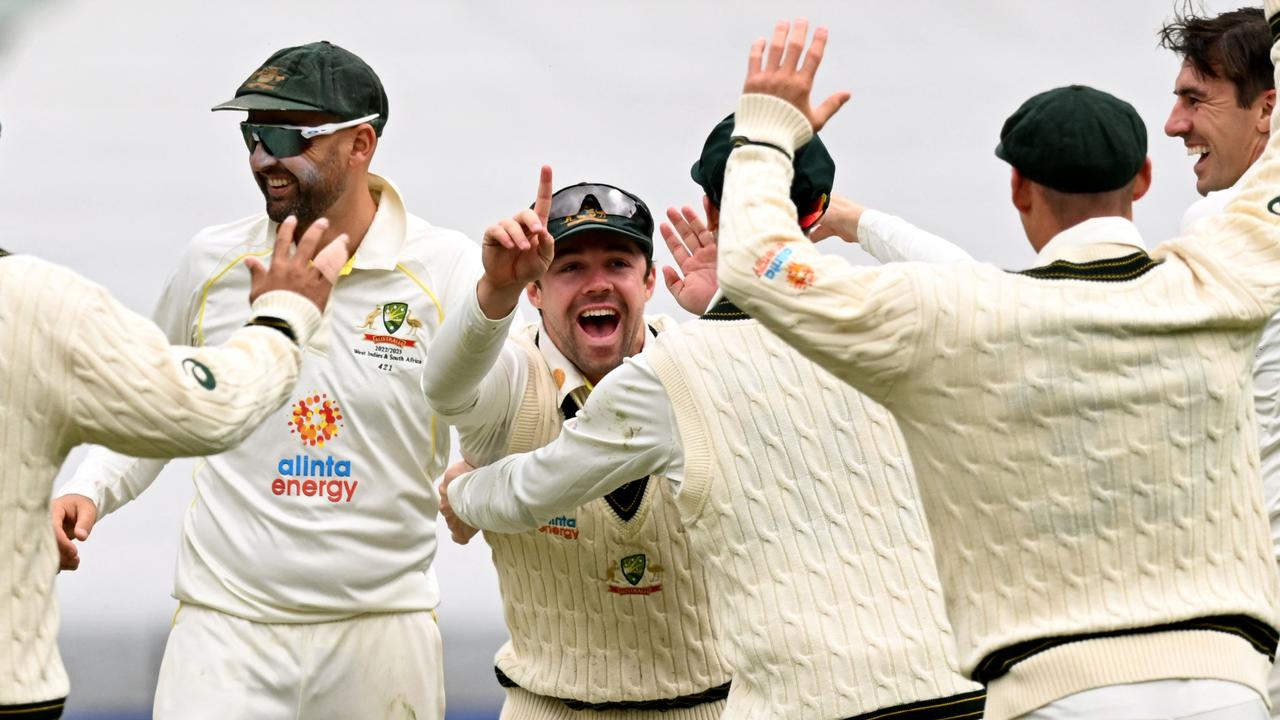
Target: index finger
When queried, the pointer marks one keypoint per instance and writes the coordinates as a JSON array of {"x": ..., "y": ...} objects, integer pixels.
[
  {"x": 284, "y": 238},
  {"x": 542, "y": 205}
]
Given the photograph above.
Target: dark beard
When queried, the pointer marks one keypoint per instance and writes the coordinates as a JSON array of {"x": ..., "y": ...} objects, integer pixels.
[{"x": 312, "y": 199}]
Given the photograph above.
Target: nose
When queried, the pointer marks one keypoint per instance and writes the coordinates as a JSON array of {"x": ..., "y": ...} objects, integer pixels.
[
  {"x": 1179, "y": 122},
  {"x": 598, "y": 282},
  {"x": 260, "y": 159}
]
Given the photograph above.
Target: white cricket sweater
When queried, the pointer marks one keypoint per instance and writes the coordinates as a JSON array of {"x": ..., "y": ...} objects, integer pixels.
[
  {"x": 601, "y": 610},
  {"x": 78, "y": 367},
  {"x": 1085, "y": 449},
  {"x": 799, "y": 496}
]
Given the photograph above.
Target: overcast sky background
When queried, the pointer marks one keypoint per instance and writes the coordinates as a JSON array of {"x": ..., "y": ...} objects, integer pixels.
[{"x": 110, "y": 161}]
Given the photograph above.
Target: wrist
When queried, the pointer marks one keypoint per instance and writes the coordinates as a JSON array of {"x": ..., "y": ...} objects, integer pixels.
[{"x": 497, "y": 301}]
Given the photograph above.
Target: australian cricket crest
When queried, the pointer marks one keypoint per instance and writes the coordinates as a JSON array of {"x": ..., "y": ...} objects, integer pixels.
[
  {"x": 640, "y": 576},
  {"x": 393, "y": 315},
  {"x": 395, "y": 344}
]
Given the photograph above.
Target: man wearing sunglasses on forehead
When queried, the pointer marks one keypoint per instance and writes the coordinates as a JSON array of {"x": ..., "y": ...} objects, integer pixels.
[
  {"x": 794, "y": 493},
  {"x": 304, "y": 569},
  {"x": 606, "y": 606}
]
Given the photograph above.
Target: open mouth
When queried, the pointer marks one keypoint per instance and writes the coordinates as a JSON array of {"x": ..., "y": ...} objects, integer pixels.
[
  {"x": 277, "y": 185},
  {"x": 599, "y": 323},
  {"x": 1202, "y": 151}
]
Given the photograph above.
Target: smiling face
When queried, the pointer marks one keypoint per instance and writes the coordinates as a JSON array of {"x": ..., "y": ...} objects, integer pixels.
[
  {"x": 592, "y": 300},
  {"x": 1209, "y": 120},
  {"x": 307, "y": 184}
]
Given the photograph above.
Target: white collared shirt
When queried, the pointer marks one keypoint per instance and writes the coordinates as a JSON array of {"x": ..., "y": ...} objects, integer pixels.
[{"x": 328, "y": 509}]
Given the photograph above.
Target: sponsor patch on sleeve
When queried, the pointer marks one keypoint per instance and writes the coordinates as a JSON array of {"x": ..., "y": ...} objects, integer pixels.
[{"x": 778, "y": 263}]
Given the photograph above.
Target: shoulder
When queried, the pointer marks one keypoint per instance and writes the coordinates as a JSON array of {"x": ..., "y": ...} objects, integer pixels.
[
  {"x": 219, "y": 245},
  {"x": 436, "y": 246}
]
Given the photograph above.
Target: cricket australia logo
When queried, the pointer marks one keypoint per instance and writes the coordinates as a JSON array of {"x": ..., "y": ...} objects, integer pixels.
[
  {"x": 641, "y": 576},
  {"x": 394, "y": 315},
  {"x": 398, "y": 332}
]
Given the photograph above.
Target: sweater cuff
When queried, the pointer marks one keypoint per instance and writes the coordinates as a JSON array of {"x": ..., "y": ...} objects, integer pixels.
[
  {"x": 772, "y": 121},
  {"x": 479, "y": 331},
  {"x": 299, "y": 312}
]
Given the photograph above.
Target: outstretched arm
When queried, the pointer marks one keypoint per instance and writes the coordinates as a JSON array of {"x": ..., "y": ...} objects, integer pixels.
[
  {"x": 625, "y": 431},
  {"x": 883, "y": 236},
  {"x": 858, "y": 322},
  {"x": 470, "y": 380}
]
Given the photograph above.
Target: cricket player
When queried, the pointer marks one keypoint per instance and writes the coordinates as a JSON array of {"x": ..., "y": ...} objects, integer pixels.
[
  {"x": 794, "y": 491},
  {"x": 1225, "y": 98},
  {"x": 78, "y": 367},
  {"x": 606, "y": 605},
  {"x": 1082, "y": 431},
  {"x": 304, "y": 568}
]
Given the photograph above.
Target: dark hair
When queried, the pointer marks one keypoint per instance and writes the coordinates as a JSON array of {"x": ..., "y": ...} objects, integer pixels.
[{"x": 1235, "y": 45}]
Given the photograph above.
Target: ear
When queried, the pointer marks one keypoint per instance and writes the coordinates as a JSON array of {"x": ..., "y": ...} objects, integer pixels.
[
  {"x": 650, "y": 281},
  {"x": 1266, "y": 103},
  {"x": 534, "y": 292},
  {"x": 363, "y": 143},
  {"x": 1142, "y": 183},
  {"x": 713, "y": 214},
  {"x": 1020, "y": 191}
]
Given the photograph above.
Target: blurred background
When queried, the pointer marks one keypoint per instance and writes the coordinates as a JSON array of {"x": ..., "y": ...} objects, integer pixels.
[{"x": 110, "y": 161}]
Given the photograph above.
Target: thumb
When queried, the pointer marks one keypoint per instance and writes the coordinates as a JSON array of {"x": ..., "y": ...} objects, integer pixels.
[
  {"x": 257, "y": 271},
  {"x": 86, "y": 516},
  {"x": 829, "y": 107},
  {"x": 333, "y": 257},
  {"x": 671, "y": 278}
]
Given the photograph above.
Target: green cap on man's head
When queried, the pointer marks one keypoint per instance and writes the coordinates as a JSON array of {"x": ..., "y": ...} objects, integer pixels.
[
  {"x": 318, "y": 77},
  {"x": 1075, "y": 139},
  {"x": 815, "y": 171}
]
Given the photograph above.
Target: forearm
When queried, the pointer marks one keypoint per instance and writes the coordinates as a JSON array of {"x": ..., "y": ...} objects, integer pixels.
[
  {"x": 462, "y": 356},
  {"x": 112, "y": 480},
  {"x": 889, "y": 238},
  {"x": 624, "y": 432},
  {"x": 137, "y": 394},
  {"x": 855, "y": 321}
]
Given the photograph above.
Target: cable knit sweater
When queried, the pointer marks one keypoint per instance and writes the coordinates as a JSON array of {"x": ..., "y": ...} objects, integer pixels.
[
  {"x": 78, "y": 367},
  {"x": 1082, "y": 435}
]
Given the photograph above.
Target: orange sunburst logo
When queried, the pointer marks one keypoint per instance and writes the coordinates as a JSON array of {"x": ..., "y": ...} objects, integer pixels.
[{"x": 316, "y": 419}]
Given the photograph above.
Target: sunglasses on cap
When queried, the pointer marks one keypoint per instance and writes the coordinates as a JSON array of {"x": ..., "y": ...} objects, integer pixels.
[
  {"x": 288, "y": 140},
  {"x": 571, "y": 201}
]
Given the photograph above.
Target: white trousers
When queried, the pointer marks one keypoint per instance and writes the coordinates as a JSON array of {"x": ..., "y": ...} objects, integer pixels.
[
  {"x": 1158, "y": 700},
  {"x": 524, "y": 705},
  {"x": 217, "y": 666}
]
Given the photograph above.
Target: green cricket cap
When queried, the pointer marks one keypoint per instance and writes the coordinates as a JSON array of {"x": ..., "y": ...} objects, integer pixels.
[
  {"x": 589, "y": 206},
  {"x": 1075, "y": 139},
  {"x": 319, "y": 76},
  {"x": 815, "y": 172}
]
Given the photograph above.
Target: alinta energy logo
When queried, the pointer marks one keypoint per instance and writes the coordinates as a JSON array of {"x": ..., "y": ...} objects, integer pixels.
[{"x": 316, "y": 419}]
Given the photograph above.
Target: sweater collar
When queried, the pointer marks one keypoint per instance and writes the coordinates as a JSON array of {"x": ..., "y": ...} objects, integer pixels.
[{"x": 1093, "y": 239}]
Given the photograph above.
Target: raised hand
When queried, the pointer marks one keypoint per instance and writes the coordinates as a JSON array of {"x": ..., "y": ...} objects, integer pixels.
[
  {"x": 693, "y": 245},
  {"x": 782, "y": 74},
  {"x": 302, "y": 270},
  {"x": 73, "y": 518},
  {"x": 516, "y": 251},
  {"x": 458, "y": 530}
]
